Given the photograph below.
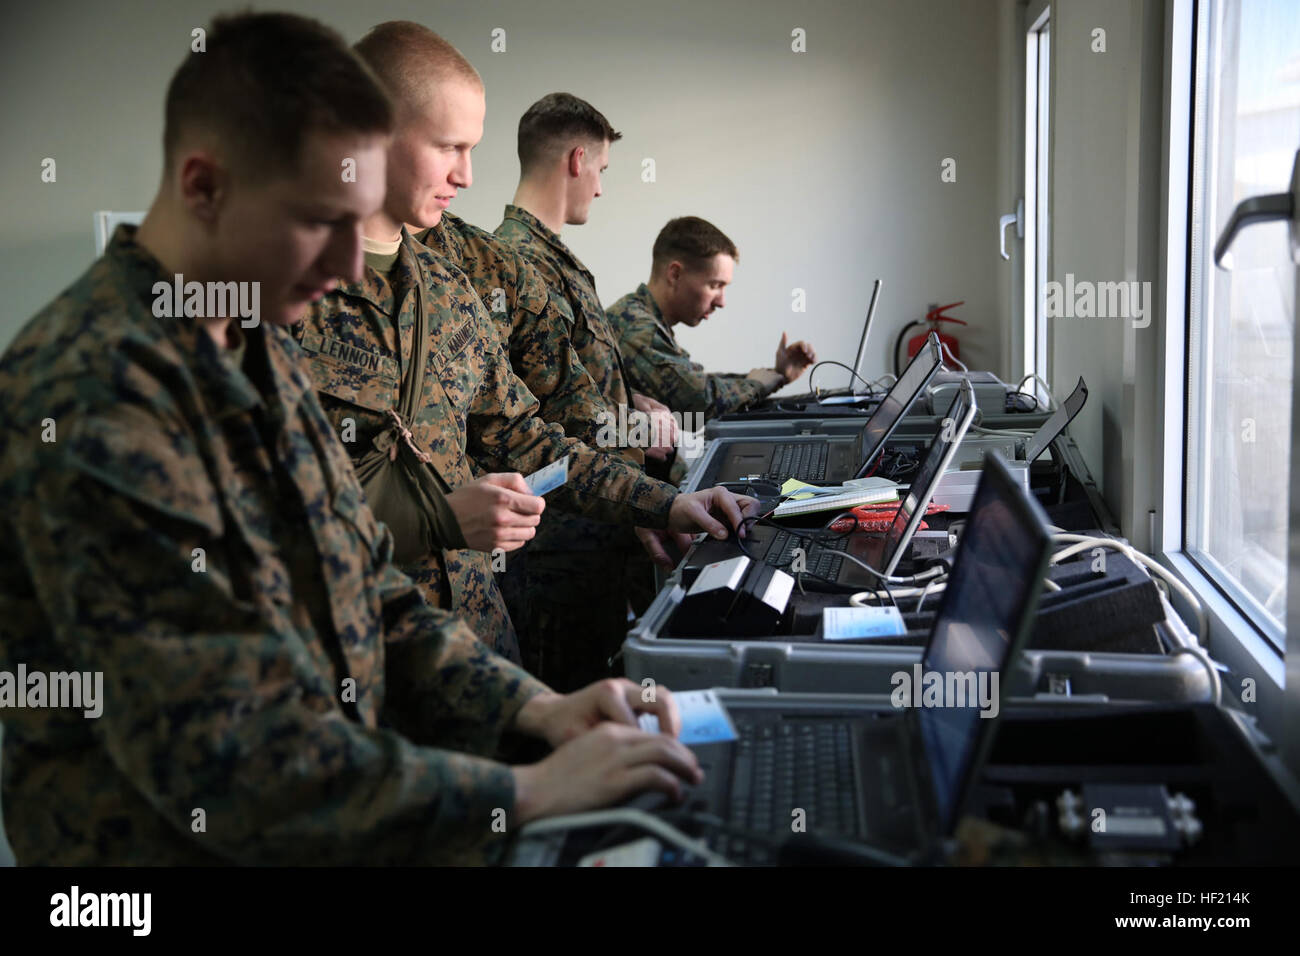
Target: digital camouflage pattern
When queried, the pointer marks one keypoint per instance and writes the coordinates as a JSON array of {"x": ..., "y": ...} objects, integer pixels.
[
  {"x": 537, "y": 333},
  {"x": 195, "y": 532},
  {"x": 574, "y": 569},
  {"x": 657, "y": 366},
  {"x": 573, "y": 288},
  {"x": 477, "y": 416}
]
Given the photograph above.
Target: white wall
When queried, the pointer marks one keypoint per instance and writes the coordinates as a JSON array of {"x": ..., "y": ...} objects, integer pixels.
[
  {"x": 1106, "y": 123},
  {"x": 824, "y": 166}
]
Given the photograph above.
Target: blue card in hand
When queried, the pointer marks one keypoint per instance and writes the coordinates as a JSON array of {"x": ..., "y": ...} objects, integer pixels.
[{"x": 550, "y": 477}]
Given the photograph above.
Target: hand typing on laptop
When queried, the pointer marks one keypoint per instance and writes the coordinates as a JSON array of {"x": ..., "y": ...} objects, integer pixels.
[{"x": 602, "y": 757}]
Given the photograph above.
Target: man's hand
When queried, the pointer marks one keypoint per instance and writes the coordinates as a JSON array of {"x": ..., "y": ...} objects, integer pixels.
[
  {"x": 497, "y": 511},
  {"x": 700, "y": 511},
  {"x": 663, "y": 427},
  {"x": 656, "y": 541},
  {"x": 604, "y": 766},
  {"x": 791, "y": 360},
  {"x": 558, "y": 718}
]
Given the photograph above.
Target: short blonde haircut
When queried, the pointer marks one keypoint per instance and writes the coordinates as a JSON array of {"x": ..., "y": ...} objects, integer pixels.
[{"x": 412, "y": 61}]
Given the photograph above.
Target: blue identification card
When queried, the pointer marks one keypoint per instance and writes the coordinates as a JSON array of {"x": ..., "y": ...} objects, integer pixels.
[
  {"x": 704, "y": 719},
  {"x": 849, "y": 623},
  {"x": 549, "y": 478}
]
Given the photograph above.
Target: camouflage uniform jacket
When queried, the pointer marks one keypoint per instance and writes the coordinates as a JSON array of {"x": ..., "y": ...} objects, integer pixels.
[
  {"x": 538, "y": 333},
  {"x": 194, "y": 532},
  {"x": 476, "y": 414},
  {"x": 657, "y": 366},
  {"x": 573, "y": 288}
]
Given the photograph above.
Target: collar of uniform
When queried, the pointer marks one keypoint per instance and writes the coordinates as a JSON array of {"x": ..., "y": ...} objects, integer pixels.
[
  {"x": 547, "y": 235},
  {"x": 647, "y": 299},
  {"x": 227, "y": 387},
  {"x": 445, "y": 239},
  {"x": 374, "y": 287}
]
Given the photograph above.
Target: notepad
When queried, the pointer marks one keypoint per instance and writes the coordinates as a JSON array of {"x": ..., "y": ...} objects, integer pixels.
[{"x": 808, "y": 499}]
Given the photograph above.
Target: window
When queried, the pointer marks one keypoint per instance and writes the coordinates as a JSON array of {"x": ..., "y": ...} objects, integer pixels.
[
  {"x": 1246, "y": 129},
  {"x": 1037, "y": 228}
]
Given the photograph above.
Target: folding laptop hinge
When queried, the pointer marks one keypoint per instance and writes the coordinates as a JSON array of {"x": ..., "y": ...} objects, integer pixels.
[{"x": 756, "y": 675}]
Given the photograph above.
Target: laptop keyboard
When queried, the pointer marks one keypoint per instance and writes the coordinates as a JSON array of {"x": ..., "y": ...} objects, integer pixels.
[
  {"x": 795, "y": 764},
  {"x": 804, "y": 461},
  {"x": 824, "y": 559}
]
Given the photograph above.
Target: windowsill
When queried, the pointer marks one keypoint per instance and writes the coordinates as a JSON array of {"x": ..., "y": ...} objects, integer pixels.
[{"x": 1236, "y": 644}]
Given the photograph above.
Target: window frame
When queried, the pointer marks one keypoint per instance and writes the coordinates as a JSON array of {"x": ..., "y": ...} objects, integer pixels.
[{"x": 1235, "y": 640}]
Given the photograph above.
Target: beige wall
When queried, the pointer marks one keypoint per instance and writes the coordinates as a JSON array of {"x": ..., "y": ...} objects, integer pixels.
[{"x": 823, "y": 166}]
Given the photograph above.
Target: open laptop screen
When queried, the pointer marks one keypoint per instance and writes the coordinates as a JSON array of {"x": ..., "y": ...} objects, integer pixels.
[
  {"x": 983, "y": 620},
  {"x": 912, "y": 508},
  {"x": 1063, "y": 415},
  {"x": 859, "y": 387},
  {"x": 897, "y": 401}
]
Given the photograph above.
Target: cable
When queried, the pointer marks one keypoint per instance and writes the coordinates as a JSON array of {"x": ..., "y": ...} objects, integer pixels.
[
  {"x": 898, "y": 368},
  {"x": 624, "y": 816},
  {"x": 1000, "y": 432},
  {"x": 1051, "y": 402},
  {"x": 1083, "y": 542},
  {"x": 813, "y": 371},
  {"x": 1216, "y": 684},
  {"x": 944, "y": 348},
  {"x": 894, "y": 594},
  {"x": 925, "y": 591},
  {"x": 832, "y": 844}
]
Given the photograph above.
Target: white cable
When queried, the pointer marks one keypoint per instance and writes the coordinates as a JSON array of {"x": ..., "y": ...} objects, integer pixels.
[
  {"x": 1000, "y": 432},
  {"x": 1216, "y": 684},
  {"x": 924, "y": 593},
  {"x": 914, "y": 579},
  {"x": 944, "y": 346},
  {"x": 1083, "y": 542},
  {"x": 1051, "y": 402},
  {"x": 627, "y": 816},
  {"x": 859, "y": 599},
  {"x": 888, "y": 375}
]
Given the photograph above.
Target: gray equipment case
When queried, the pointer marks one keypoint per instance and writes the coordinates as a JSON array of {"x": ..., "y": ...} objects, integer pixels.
[{"x": 805, "y": 663}]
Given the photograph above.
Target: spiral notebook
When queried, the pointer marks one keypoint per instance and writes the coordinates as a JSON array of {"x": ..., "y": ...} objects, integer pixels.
[{"x": 809, "y": 499}]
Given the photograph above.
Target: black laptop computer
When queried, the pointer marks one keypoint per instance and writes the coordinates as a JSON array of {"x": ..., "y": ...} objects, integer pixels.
[
  {"x": 819, "y": 459},
  {"x": 1027, "y": 449},
  {"x": 894, "y": 776},
  {"x": 859, "y": 390},
  {"x": 824, "y": 561}
]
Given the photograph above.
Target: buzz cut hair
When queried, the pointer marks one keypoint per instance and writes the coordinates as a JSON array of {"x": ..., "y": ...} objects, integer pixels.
[
  {"x": 262, "y": 84},
  {"x": 555, "y": 124},
  {"x": 692, "y": 241},
  {"x": 412, "y": 62}
]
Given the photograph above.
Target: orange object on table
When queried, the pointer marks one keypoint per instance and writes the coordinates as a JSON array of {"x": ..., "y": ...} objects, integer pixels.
[{"x": 876, "y": 517}]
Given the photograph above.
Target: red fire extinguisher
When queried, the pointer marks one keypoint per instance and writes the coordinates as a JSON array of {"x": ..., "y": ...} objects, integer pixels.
[{"x": 948, "y": 343}]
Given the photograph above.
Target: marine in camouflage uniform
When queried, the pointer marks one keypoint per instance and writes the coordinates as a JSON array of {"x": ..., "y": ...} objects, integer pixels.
[
  {"x": 537, "y": 333},
  {"x": 657, "y": 366},
  {"x": 476, "y": 414},
  {"x": 193, "y": 530},
  {"x": 569, "y": 552}
]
